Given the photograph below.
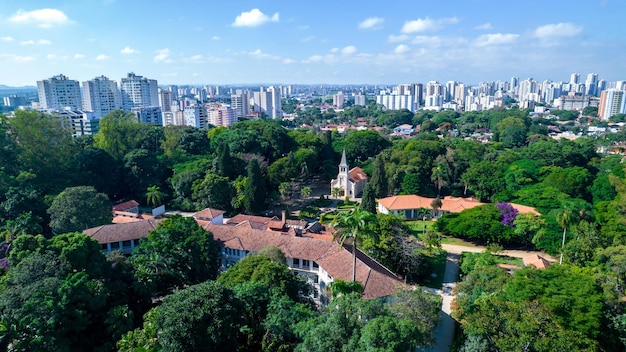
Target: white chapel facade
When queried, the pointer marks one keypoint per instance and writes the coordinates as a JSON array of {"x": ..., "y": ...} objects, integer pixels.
[{"x": 350, "y": 181}]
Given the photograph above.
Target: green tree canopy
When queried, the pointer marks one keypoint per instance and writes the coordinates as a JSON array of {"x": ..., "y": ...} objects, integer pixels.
[
  {"x": 79, "y": 208},
  {"x": 177, "y": 253}
]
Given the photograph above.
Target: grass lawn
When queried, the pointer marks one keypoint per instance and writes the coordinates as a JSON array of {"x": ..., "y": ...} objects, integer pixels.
[
  {"x": 456, "y": 241},
  {"x": 438, "y": 265},
  {"x": 417, "y": 226},
  {"x": 502, "y": 259}
]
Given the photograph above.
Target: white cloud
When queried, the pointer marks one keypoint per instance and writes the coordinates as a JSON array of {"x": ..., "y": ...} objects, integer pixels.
[
  {"x": 314, "y": 58},
  {"x": 44, "y": 18},
  {"x": 101, "y": 57},
  {"x": 51, "y": 56},
  {"x": 496, "y": 39},
  {"x": 425, "y": 40},
  {"x": 6, "y": 39},
  {"x": 427, "y": 24},
  {"x": 128, "y": 50},
  {"x": 349, "y": 50},
  {"x": 397, "y": 38},
  {"x": 288, "y": 61},
  {"x": 162, "y": 55},
  {"x": 401, "y": 49},
  {"x": 371, "y": 23},
  {"x": 215, "y": 38},
  {"x": 307, "y": 39},
  {"x": 44, "y": 42},
  {"x": 18, "y": 58},
  {"x": 79, "y": 56},
  {"x": 558, "y": 30},
  {"x": 254, "y": 18},
  {"x": 484, "y": 27},
  {"x": 27, "y": 42},
  {"x": 334, "y": 50}
]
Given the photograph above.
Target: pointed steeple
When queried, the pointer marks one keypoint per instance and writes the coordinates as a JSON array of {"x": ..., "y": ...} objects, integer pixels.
[{"x": 343, "y": 160}]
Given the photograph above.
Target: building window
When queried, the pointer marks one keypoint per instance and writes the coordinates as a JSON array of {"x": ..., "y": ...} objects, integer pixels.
[
  {"x": 306, "y": 263},
  {"x": 126, "y": 244},
  {"x": 136, "y": 242},
  {"x": 115, "y": 245},
  {"x": 315, "y": 265},
  {"x": 104, "y": 247},
  {"x": 296, "y": 262},
  {"x": 316, "y": 279}
]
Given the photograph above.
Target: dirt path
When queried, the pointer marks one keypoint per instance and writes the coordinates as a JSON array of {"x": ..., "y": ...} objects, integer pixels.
[{"x": 516, "y": 253}]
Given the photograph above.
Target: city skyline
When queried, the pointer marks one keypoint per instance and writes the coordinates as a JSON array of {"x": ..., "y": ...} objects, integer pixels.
[{"x": 310, "y": 43}]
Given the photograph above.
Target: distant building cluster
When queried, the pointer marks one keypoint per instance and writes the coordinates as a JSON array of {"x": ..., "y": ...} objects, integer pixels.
[
  {"x": 150, "y": 103},
  {"x": 572, "y": 95},
  {"x": 202, "y": 106}
]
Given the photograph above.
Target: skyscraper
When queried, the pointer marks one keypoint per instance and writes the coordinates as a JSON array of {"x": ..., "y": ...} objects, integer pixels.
[
  {"x": 612, "y": 102},
  {"x": 138, "y": 92},
  {"x": 240, "y": 102},
  {"x": 100, "y": 96},
  {"x": 591, "y": 84},
  {"x": 165, "y": 100},
  {"x": 574, "y": 78},
  {"x": 59, "y": 93}
]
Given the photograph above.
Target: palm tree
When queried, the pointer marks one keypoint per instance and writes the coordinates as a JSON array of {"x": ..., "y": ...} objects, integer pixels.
[
  {"x": 438, "y": 177},
  {"x": 335, "y": 192},
  {"x": 154, "y": 196},
  {"x": 565, "y": 218},
  {"x": 436, "y": 205},
  {"x": 305, "y": 192},
  {"x": 283, "y": 188},
  {"x": 352, "y": 225}
]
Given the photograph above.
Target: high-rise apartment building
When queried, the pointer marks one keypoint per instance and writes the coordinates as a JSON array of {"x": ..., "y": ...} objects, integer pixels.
[
  {"x": 138, "y": 92},
  {"x": 165, "y": 100},
  {"x": 574, "y": 78},
  {"x": 59, "y": 93},
  {"x": 195, "y": 116},
  {"x": 338, "y": 100},
  {"x": 591, "y": 84},
  {"x": 100, "y": 96},
  {"x": 396, "y": 101},
  {"x": 612, "y": 102},
  {"x": 240, "y": 102},
  {"x": 221, "y": 116},
  {"x": 359, "y": 99}
]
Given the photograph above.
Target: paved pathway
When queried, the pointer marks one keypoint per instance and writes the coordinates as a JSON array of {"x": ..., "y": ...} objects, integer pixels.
[
  {"x": 444, "y": 335},
  {"x": 445, "y": 330}
]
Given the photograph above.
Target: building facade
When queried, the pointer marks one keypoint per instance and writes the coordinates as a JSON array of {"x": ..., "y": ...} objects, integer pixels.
[
  {"x": 138, "y": 92},
  {"x": 350, "y": 181},
  {"x": 101, "y": 96},
  {"x": 59, "y": 93}
]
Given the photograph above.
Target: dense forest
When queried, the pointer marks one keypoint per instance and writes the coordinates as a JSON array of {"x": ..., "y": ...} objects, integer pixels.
[{"x": 60, "y": 293}]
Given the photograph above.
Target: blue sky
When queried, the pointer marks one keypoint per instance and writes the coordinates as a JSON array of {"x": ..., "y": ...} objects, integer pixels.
[{"x": 306, "y": 42}]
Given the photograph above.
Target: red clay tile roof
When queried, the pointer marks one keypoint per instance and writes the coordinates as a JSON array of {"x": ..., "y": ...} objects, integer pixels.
[
  {"x": 357, "y": 174},
  {"x": 336, "y": 260},
  {"x": 449, "y": 204},
  {"x": 122, "y": 232},
  {"x": 409, "y": 201},
  {"x": 458, "y": 204},
  {"x": 125, "y": 205},
  {"x": 537, "y": 261},
  {"x": 257, "y": 222},
  {"x": 208, "y": 213}
]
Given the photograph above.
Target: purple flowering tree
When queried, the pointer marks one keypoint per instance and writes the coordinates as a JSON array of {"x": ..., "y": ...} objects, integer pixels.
[{"x": 508, "y": 213}]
